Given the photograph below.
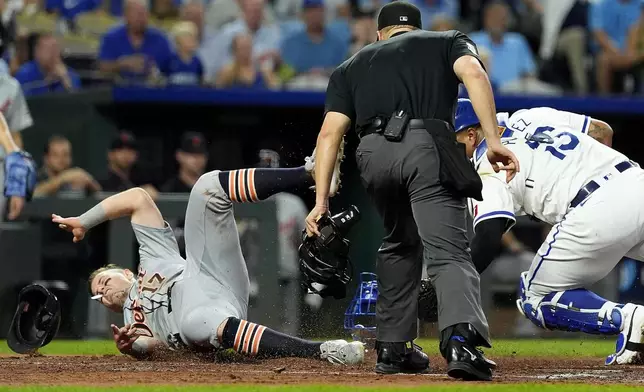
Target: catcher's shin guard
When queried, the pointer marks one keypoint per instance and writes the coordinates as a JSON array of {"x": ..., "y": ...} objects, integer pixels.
[{"x": 572, "y": 310}]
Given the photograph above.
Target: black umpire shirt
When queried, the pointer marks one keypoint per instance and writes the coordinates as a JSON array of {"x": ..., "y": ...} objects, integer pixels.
[{"x": 412, "y": 71}]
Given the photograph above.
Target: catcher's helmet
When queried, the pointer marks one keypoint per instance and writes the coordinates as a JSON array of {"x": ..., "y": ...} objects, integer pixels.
[
  {"x": 36, "y": 320},
  {"x": 465, "y": 116},
  {"x": 362, "y": 309}
]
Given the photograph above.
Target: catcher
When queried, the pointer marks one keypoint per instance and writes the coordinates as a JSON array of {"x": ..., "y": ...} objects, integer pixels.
[{"x": 198, "y": 303}]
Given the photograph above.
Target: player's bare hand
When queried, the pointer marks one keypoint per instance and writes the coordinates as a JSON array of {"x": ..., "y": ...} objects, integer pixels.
[
  {"x": 71, "y": 225},
  {"x": 16, "y": 204},
  {"x": 312, "y": 220},
  {"x": 502, "y": 158},
  {"x": 124, "y": 337}
]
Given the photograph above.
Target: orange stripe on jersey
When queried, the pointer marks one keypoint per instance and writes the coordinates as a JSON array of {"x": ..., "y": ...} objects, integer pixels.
[
  {"x": 258, "y": 338},
  {"x": 249, "y": 334},
  {"x": 251, "y": 185},
  {"x": 242, "y": 185},
  {"x": 239, "y": 334},
  {"x": 231, "y": 185}
]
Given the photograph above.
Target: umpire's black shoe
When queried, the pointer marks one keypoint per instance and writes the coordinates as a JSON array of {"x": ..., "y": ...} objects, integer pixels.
[
  {"x": 464, "y": 360},
  {"x": 400, "y": 358}
]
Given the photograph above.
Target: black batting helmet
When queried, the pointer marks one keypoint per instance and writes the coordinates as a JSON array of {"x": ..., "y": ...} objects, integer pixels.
[{"x": 36, "y": 320}]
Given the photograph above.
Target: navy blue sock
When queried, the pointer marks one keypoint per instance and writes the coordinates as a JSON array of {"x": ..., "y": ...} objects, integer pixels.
[
  {"x": 256, "y": 340},
  {"x": 251, "y": 185}
]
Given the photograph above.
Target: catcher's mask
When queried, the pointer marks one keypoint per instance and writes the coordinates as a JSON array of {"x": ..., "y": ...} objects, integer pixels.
[
  {"x": 324, "y": 259},
  {"x": 36, "y": 320},
  {"x": 361, "y": 313}
]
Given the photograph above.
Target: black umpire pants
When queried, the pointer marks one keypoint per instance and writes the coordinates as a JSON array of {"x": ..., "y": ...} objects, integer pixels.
[{"x": 421, "y": 219}]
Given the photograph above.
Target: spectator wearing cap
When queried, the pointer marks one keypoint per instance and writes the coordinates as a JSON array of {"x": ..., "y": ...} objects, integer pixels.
[
  {"x": 47, "y": 72},
  {"x": 192, "y": 157},
  {"x": 315, "y": 51},
  {"x": 57, "y": 174},
  {"x": 611, "y": 24},
  {"x": 265, "y": 39},
  {"x": 184, "y": 66},
  {"x": 134, "y": 51},
  {"x": 121, "y": 157}
]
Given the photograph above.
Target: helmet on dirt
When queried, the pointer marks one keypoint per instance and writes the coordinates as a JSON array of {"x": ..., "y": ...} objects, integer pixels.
[
  {"x": 465, "y": 115},
  {"x": 36, "y": 320}
]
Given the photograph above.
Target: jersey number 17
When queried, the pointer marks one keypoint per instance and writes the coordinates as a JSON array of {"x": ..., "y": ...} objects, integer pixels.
[{"x": 542, "y": 136}]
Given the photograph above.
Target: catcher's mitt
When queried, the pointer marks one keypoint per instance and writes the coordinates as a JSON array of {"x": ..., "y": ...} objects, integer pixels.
[
  {"x": 427, "y": 302},
  {"x": 36, "y": 320},
  {"x": 19, "y": 175},
  {"x": 324, "y": 259}
]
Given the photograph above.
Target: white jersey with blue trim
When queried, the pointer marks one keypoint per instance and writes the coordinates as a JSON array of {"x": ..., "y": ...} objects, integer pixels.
[
  {"x": 531, "y": 120},
  {"x": 555, "y": 164}
]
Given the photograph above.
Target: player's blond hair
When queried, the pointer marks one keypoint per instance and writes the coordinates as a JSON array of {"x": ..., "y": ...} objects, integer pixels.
[{"x": 93, "y": 275}]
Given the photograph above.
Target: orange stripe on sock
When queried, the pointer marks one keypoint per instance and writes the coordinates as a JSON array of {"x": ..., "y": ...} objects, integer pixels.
[
  {"x": 251, "y": 185},
  {"x": 239, "y": 334},
  {"x": 249, "y": 333},
  {"x": 232, "y": 181},
  {"x": 230, "y": 185},
  {"x": 242, "y": 185},
  {"x": 258, "y": 338}
]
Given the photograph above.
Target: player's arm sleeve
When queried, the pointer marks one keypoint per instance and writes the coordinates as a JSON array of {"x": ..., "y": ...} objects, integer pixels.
[
  {"x": 17, "y": 114},
  {"x": 461, "y": 45},
  {"x": 486, "y": 244},
  {"x": 156, "y": 244},
  {"x": 497, "y": 203},
  {"x": 338, "y": 94}
]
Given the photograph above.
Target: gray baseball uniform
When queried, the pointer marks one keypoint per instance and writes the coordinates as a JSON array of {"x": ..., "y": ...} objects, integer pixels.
[
  {"x": 15, "y": 110},
  {"x": 208, "y": 287}
]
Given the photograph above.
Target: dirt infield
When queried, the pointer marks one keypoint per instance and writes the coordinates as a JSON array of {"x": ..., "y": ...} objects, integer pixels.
[{"x": 120, "y": 370}]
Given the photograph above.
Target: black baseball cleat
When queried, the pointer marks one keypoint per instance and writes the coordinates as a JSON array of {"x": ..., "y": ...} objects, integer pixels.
[
  {"x": 400, "y": 358},
  {"x": 465, "y": 361}
]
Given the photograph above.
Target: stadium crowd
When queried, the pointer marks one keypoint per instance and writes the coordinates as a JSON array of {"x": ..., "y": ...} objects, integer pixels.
[{"x": 547, "y": 47}]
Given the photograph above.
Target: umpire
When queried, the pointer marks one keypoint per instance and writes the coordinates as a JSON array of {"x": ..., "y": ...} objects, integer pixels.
[{"x": 400, "y": 94}]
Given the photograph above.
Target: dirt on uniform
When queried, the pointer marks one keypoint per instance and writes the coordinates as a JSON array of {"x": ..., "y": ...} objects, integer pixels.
[{"x": 121, "y": 370}]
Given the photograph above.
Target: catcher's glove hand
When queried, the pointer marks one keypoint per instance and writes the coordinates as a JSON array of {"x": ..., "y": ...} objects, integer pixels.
[
  {"x": 324, "y": 259},
  {"x": 19, "y": 175},
  {"x": 36, "y": 320},
  {"x": 427, "y": 302}
]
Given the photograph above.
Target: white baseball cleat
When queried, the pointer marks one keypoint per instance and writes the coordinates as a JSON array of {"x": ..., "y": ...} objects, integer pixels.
[
  {"x": 309, "y": 165},
  {"x": 342, "y": 352},
  {"x": 629, "y": 346}
]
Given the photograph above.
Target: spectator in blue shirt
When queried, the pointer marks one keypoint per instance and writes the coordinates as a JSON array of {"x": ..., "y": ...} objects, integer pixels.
[
  {"x": 512, "y": 65},
  {"x": 610, "y": 23},
  {"x": 184, "y": 66},
  {"x": 134, "y": 51},
  {"x": 315, "y": 49},
  {"x": 68, "y": 10},
  {"x": 47, "y": 72},
  {"x": 431, "y": 9}
]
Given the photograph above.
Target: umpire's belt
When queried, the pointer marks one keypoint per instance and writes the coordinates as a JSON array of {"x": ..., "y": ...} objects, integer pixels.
[
  {"x": 592, "y": 186},
  {"x": 378, "y": 126}
]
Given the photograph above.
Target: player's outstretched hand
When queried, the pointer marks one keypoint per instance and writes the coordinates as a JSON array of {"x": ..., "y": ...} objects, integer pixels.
[
  {"x": 72, "y": 225},
  {"x": 502, "y": 158},
  {"x": 124, "y": 337}
]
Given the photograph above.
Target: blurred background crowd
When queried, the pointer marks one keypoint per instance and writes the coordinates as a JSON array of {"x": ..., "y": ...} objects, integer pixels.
[
  {"x": 57, "y": 47},
  {"x": 540, "y": 47}
]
